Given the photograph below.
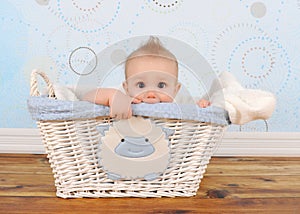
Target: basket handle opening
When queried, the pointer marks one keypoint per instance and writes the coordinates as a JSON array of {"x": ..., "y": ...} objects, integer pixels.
[{"x": 34, "y": 90}]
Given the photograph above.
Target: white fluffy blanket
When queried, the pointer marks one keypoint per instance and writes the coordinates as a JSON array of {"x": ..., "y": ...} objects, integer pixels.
[
  {"x": 65, "y": 93},
  {"x": 243, "y": 105}
]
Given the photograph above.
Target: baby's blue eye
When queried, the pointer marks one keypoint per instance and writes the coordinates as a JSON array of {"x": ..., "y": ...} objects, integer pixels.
[
  {"x": 141, "y": 85},
  {"x": 161, "y": 85}
]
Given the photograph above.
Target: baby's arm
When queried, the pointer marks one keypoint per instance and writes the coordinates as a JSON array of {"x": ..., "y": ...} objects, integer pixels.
[
  {"x": 101, "y": 96},
  {"x": 120, "y": 103}
]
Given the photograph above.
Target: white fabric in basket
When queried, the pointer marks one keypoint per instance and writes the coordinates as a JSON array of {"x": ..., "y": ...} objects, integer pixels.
[{"x": 243, "y": 105}]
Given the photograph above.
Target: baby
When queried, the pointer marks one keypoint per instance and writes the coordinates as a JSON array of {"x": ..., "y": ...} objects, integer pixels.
[{"x": 151, "y": 76}]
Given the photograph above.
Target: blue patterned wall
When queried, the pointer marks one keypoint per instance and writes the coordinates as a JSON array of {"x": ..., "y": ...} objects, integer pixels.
[{"x": 257, "y": 40}]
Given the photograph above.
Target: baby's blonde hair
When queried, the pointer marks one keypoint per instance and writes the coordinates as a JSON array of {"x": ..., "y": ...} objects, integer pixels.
[{"x": 153, "y": 47}]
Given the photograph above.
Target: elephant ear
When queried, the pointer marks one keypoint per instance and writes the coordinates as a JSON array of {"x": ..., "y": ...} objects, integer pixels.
[
  {"x": 102, "y": 129},
  {"x": 168, "y": 132}
]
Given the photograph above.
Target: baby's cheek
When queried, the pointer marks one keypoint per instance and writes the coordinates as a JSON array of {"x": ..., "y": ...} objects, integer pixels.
[
  {"x": 166, "y": 98},
  {"x": 138, "y": 95},
  {"x": 133, "y": 93}
]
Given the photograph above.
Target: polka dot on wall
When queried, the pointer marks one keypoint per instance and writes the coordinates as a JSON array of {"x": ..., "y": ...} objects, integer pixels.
[
  {"x": 86, "y": 16},
  {"x": 228, "y": 38},
  {"x": 43, "y": 63},
  {"x": 192, "y": 33},
  {"x": 258, "y": 9},
  {"x": 84, "y": 7},
  {"x": 265, "y": 58},
  {"x": 42, "y": 2},
  {"x": 163, "y": 6},
  {"x": 260, "y": 61}
]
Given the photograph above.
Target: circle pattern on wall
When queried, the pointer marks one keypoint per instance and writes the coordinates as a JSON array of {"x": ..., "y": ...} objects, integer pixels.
[
  {"x": 266, "y": 58},
  {"x": 227, "y": 39},
  {"x": 101, "y": 13},
  {"x": 191, "y": 33},
  {"x": 83, "y": 60},
  {"x": 163, "y": 6},
  {"x": 256, "y": 59}
]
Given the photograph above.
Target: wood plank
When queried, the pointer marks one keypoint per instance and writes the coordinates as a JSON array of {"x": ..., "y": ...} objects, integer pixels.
[
  {"x": 210, "y": 187},
  {"x": 36, "y": 160},
  {"x": 255, "y": 166},
  {"x": 231, "y": 185},
  {"x": 136, "y": 205},
  {"x": 252, "y": 170},
  {"x": 249, "y": 187},
  {"x": 27, "y": 185},
  {"x": 24, "y": 164},
  {"x": 13, "y": 155},
  {"x": 220, "y": 166},
  {"x": 25, "y": 169}
]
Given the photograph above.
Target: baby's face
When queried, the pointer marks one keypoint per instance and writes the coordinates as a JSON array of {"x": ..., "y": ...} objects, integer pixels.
[{"x": 151, "y": 79}]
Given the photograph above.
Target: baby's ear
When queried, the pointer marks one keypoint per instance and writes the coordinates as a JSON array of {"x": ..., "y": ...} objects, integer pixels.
[
  {"x": 178, "y": 86},
  {"x": 125, "y": 86}
]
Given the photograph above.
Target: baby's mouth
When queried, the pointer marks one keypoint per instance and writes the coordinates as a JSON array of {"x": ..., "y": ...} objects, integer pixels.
[{"x": 151, "y": 100}]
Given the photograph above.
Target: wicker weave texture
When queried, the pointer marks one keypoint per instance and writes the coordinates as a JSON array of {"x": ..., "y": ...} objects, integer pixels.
[{"x": 72, "y": 148}]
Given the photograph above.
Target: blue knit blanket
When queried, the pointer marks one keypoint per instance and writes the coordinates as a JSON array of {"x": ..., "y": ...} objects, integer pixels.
[{"x": 44, "y": 109}]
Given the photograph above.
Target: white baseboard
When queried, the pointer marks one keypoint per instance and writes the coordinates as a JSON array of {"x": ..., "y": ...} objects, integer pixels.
[
  {"x": 233, "y": 143},
  {"x": 260, "y": 144},
  {"x": 26, "y": 141}
]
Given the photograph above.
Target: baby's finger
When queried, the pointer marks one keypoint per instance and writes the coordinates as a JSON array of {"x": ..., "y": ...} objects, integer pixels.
[
  {"x": 200, "y": 103},
  {"x": 114, "y": 114},
  {"x": 136, "y": 101}
]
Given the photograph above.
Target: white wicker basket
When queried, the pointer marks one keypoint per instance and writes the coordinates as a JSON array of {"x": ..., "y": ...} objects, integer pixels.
[{"x": 72, "y": 149}]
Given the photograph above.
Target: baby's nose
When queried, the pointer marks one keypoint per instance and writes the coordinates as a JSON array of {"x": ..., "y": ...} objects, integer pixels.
[{"x": 150, "y": 94}]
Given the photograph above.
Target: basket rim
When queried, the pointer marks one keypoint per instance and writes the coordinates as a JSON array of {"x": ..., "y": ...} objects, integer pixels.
[{"x": 44, "y": 108}]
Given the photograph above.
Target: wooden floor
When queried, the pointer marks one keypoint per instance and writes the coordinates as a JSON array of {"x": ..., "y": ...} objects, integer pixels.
[{"x": 231, "y": 185}]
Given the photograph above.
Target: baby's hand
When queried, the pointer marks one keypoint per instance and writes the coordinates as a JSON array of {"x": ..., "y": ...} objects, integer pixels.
[
  {"x": 136, "y": 100},
  {"x": 203, "y": 103},
  {"x": 120, "y": 106}
]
